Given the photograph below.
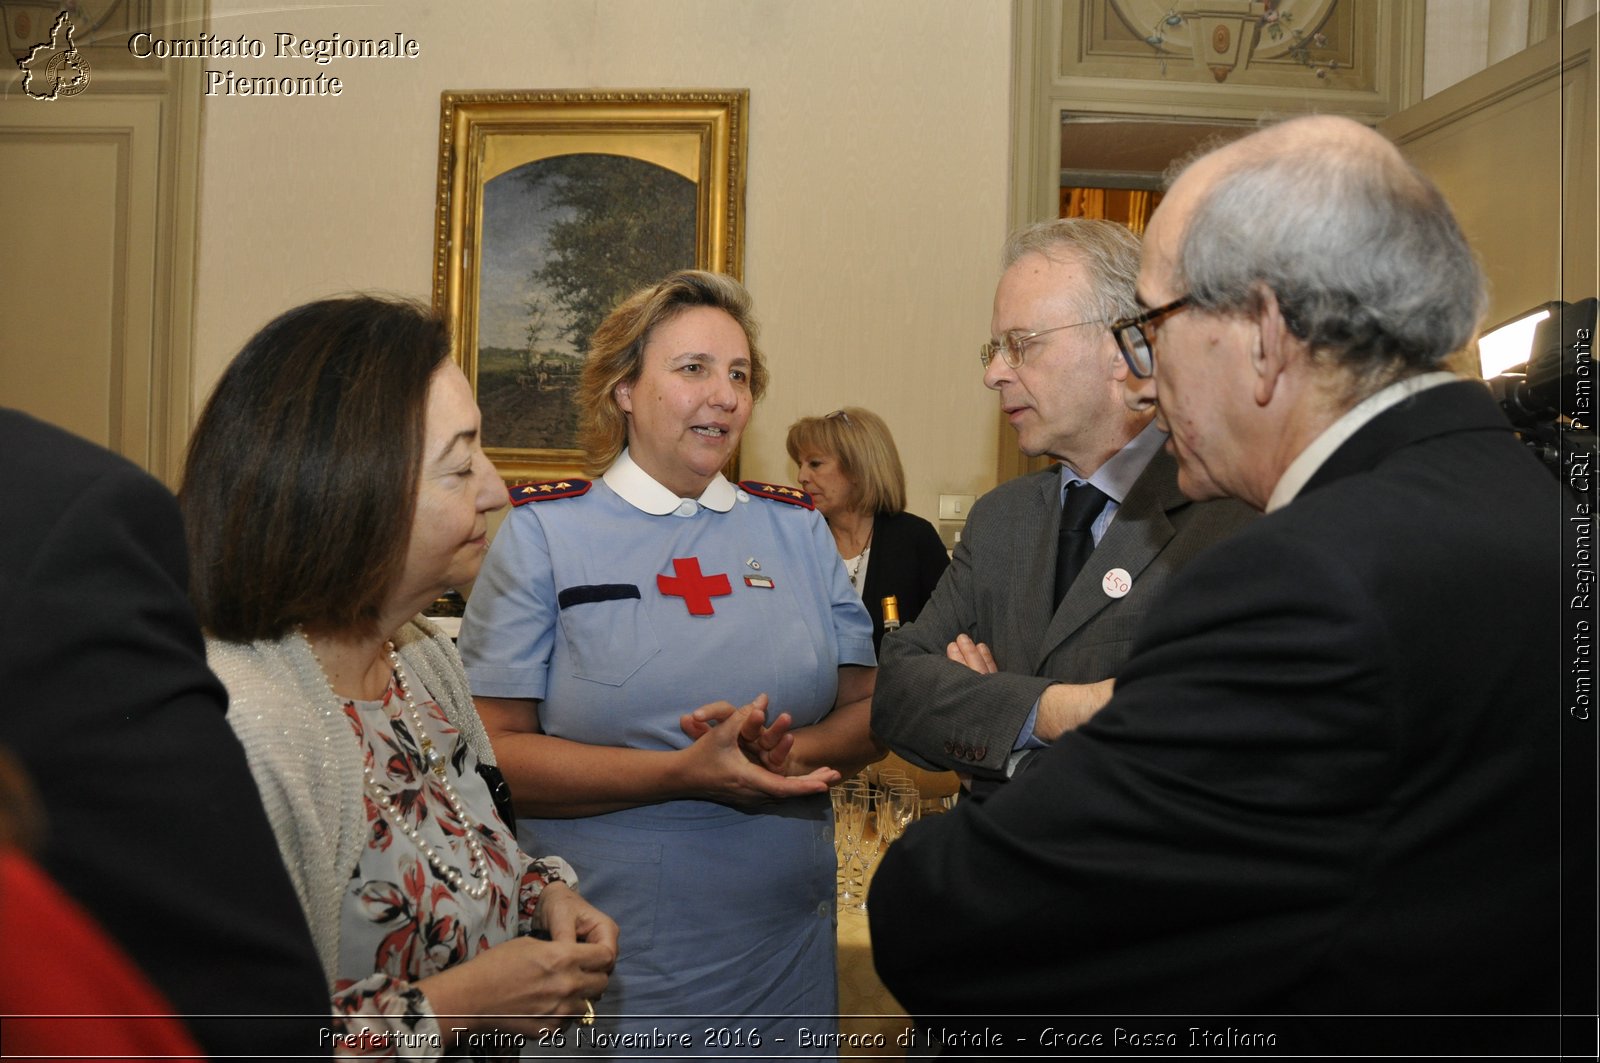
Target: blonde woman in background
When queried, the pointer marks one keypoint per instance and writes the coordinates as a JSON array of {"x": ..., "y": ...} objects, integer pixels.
[{"x": 849, "y": 465}]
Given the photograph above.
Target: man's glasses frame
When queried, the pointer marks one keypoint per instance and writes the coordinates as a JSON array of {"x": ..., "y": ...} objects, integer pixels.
[
  {"x": 1137, "y": 345},
  {"x": 1014, "y": 344}
]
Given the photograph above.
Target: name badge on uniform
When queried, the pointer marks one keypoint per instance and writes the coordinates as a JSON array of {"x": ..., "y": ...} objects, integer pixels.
[{"x": 763, "y": 582}]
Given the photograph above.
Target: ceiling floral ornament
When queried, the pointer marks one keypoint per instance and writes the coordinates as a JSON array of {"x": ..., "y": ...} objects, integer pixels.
[{"x": 1225, "y": 36}]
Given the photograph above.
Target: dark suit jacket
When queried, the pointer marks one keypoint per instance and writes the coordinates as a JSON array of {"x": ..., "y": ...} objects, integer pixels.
[
  {"x": 999, "y": 590},
  {"x": 1326, "y": 783},
  {"x": 154, "y": 823},
  {"x": 907, "y": 560}
]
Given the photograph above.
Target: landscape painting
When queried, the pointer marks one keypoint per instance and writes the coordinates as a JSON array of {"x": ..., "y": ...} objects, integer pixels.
[
  {"x": 564, "y": 240},
  {"x": 555, "y": 207}
]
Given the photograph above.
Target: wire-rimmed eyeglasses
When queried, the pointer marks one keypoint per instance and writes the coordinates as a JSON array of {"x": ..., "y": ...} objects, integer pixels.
[
  {"x": 1014, "y": 344},
  {"x": 1137, "y": 345}
]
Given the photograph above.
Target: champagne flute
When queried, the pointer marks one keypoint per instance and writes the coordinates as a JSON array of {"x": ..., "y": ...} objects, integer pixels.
[
  {"x": 865, "y": 802},
  {"x": 904, "y": 809},
  {"x": 893, "y": 777},
  {"x": 848, "y": 823}
]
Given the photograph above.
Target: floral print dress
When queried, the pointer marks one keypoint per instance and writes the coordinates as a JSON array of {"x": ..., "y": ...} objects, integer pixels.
[{"x": 402, "y": 920}]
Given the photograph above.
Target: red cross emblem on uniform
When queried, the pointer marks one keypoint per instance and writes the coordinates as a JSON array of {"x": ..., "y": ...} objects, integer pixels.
[{"x": 695, "y": 590}]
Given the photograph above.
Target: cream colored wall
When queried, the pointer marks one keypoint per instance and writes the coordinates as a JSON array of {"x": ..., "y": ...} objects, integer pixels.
[
  {"x": 99, "y": 189},
  {"x": 876, "y": 184},
  {"x": 1514, "y": 150},
  {"x": 1466, "y": 36}
]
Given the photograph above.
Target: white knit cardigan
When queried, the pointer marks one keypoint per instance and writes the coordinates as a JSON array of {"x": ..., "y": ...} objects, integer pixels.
[{"x": 307, "y": 763}]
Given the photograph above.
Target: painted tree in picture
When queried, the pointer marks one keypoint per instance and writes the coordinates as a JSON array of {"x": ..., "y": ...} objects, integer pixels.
[{"x": 565, "y": 239}]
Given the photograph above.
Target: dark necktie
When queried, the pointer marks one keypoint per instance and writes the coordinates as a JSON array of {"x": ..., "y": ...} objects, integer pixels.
[{"x": 1075, "y": 541}]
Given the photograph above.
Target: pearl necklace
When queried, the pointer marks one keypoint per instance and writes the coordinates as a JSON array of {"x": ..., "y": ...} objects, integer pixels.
[
  {"x": 434, "y": 762},
  {"x": 437, "y": 764}
]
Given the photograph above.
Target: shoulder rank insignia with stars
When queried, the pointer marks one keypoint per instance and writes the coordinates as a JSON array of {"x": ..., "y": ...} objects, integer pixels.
[
  {"x": 543, "y": 492},
  {"x": 777, "y": 493}
]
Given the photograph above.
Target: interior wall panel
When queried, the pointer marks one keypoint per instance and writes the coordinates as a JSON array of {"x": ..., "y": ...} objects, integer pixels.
[{"x": 79, "y": 187}]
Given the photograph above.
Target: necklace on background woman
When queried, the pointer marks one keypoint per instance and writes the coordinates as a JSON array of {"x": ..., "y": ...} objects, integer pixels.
[
  {"x": 853, "y": 566},
  {"x": 434, "y": 763}
]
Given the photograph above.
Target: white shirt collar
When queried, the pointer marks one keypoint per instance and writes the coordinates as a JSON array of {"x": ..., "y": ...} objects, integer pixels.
[
  {"x": 643, "y": 492},
  {"x": 1309, "y": 460}
]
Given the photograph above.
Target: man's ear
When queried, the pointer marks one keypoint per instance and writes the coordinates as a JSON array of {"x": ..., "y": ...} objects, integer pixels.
[
  {"x": 1276, "y": 346},
  {"x": 1119, "y": 365}
]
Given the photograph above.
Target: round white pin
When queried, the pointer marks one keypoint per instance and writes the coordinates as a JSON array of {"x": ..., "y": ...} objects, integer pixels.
[{"x": 1116, "y": 583}]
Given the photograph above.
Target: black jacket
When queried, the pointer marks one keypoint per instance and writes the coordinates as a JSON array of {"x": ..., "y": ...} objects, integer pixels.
[
  {"x": 907, "y": 560},
  {"x": 154, "y": 822}
]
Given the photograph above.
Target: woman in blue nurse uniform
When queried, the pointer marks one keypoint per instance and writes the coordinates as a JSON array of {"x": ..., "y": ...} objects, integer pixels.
[{"x": 672, "y": 669}]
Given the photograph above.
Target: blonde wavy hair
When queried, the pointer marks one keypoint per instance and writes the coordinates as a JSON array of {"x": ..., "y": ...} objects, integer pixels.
[
  {"x": 860, "y": 442},
  {"x": 616, "y": 353}
]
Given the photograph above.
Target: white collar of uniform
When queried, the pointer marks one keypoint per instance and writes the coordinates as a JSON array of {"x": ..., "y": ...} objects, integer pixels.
[
  {"x": 1309, "y": 460},
  {"x": 643, "y": 492}
]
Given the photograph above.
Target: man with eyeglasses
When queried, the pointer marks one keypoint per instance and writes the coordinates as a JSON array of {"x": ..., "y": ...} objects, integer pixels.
[
  {"x": 1327, "y": 785},
  {"x": 1031, "y": 623}
]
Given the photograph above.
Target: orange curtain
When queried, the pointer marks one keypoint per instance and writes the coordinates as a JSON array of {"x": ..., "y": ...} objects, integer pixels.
[{"x": 1132, "y": 207}]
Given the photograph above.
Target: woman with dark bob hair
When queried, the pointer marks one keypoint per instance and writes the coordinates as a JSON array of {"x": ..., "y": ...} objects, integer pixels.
[
  {"x": 848, "y": 463},
  {"x": 335, "y": 486},
  {"x": 617, "y": 624}
]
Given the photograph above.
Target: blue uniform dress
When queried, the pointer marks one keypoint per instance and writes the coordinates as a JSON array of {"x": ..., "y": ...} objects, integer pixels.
[{"x": 620, "y": 609}]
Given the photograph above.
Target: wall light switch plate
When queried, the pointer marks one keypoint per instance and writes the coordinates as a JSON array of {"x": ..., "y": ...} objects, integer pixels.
[{"x": 955, "y": 507}]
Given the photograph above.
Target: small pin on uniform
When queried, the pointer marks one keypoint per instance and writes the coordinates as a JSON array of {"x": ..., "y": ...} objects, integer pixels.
[
  {"x": 1116, "y": 583},
  {"x": 753, "y": 563}
]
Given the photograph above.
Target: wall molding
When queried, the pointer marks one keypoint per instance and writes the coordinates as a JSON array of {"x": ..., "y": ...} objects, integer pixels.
[{"x": 145, "y": 296}]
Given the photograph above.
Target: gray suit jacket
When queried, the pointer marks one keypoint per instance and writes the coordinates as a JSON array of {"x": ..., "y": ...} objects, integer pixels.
[{"x": 998, "y": 590}]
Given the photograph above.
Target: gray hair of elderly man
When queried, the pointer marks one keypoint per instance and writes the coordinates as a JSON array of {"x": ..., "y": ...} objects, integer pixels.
[
  {"x": 1363, "y": 253},
  {"x": 1106, "y": 249}
]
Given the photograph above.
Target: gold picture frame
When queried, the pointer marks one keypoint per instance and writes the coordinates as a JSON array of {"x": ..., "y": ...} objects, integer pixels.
[{"x": 564, "y": 180}]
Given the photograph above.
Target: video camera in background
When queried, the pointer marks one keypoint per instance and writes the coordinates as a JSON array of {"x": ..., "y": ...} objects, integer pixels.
[{"x": 1540, "y": 366}]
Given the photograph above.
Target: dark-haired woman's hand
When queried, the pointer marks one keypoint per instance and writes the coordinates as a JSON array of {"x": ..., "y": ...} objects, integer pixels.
[
  {"x": 566, "y": 916},
  {"x": 524, "y": 985}
]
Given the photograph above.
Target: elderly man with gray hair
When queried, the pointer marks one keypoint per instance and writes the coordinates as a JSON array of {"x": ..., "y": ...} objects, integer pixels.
[{"x": 1327, "y": 782}]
